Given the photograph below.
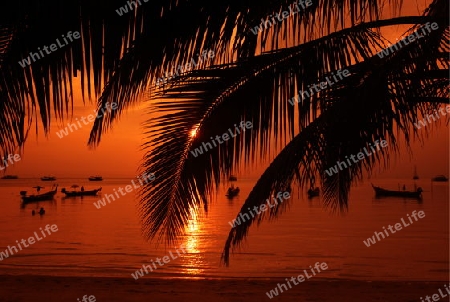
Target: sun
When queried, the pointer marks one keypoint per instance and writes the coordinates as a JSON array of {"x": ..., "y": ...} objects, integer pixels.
[{"x": 193, "y": 132}]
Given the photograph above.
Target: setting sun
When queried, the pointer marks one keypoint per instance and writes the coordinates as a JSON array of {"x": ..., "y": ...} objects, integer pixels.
[{"x": 194, "y": 132}]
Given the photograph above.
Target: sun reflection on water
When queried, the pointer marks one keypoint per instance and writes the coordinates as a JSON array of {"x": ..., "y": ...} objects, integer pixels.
[{"x": 193, "y": 259}]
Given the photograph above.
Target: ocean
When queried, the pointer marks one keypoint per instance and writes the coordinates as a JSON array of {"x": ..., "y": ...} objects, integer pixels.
[{"x": 108, "y": 242}]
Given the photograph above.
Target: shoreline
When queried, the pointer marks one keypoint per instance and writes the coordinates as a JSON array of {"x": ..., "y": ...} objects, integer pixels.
[{"x": 19, "y": 288}]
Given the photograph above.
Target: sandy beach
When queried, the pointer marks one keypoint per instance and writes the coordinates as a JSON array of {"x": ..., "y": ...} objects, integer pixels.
[{"x": 46, "y": 288}]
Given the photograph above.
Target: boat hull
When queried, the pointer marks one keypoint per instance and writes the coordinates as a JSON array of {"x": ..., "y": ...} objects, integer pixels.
[
  {"x": 81, "y": 193},
  {"x": 313, "y": 193},
  {"x": 10, "y": 177},
  {"x": 95, "y": 178},
  {"x": 380, "y": 192},
  {"x": 233, "y": 193},
  {"x": 48, "y": 178},
  {"x": 438, "y": 179},
  {"x": 39, "y": 197}
]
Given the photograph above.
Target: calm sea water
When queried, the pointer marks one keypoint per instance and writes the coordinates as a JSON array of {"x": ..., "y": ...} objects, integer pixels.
[{"x": 108, "y": 241}]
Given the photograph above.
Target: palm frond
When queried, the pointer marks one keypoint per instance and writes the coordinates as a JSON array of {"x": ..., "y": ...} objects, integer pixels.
[
  {"x": 199, "y": 96},
  {"x": 348, "y": 125},
  {"x": 218, "y": 22},
  {"x": 201, "y": 93},
  {"x": 44, "y": 88}
]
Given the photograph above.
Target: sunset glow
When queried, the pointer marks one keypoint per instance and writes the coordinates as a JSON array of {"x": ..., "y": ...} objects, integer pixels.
[{"x": 225, "y": 151}]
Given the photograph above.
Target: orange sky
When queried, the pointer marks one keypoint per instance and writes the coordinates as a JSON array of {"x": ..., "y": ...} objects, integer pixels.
[
  {"x": 117, "y": 156},
  {"x": 119, "y": 152}
]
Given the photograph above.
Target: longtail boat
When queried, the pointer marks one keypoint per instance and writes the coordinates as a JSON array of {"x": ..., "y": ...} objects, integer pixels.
[
  {"x": 80, "y": 193},
  {"x": 440, "y": 178},
  {"x": 232, "y": 192},
  {"x": 39, "y": 197},
  {"x": 10, "y": 177},
  {"x": 380, "y": 192}
]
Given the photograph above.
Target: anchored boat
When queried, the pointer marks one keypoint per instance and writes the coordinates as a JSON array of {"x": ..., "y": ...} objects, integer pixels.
[
  {"x": 82, "y": 192},
  {"x": 10, "y": 177},
  {"x": 440, "y": 178},
  {"x": 313, "y": 192},
  {"x": 380, "y": 192},
  {"x": 232, "y": 192},
  {"x": 39, "y": 197}
]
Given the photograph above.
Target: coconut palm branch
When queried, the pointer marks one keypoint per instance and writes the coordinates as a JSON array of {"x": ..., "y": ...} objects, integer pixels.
[
  {"x": 364, "y": 84},
  {"x": 205, "y": 97},
  {"x": 219, "y": 22},
  {"x": 346, "y": 127},
  {"x": 35, "y": 92},
  {"x": 427, "y": 79},
  {"x": 114, "y": 53}
]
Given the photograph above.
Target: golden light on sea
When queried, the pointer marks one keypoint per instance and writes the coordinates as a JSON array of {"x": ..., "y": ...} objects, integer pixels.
[
  {"x": 192, "y": 246},
  {"x": 193, "y": 230}
]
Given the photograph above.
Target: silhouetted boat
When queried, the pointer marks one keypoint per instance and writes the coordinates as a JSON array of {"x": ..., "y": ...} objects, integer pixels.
[
  {"x": 380, "y": 192},
  {"x": 95, "y": 178},
  {"x": 80, "y": 193},
  {"x": 440, "y": 178},
  {"x": 232, "y": 178},
  {"x": 312, "y": 193},
  {"x": 48, "y": 178},
  {"x": 10, "y": 177},
  {"x": 39, "y": 197},
  {"x": 232, "y": 192},
  {"x": 415, "y": 174}
]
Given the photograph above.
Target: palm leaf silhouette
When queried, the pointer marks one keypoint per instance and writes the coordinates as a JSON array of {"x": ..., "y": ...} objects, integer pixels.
[{"x": 381, "y": 83}]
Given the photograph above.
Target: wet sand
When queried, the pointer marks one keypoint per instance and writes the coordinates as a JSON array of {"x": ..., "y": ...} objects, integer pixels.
[{"x": 48, "y": 288}]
